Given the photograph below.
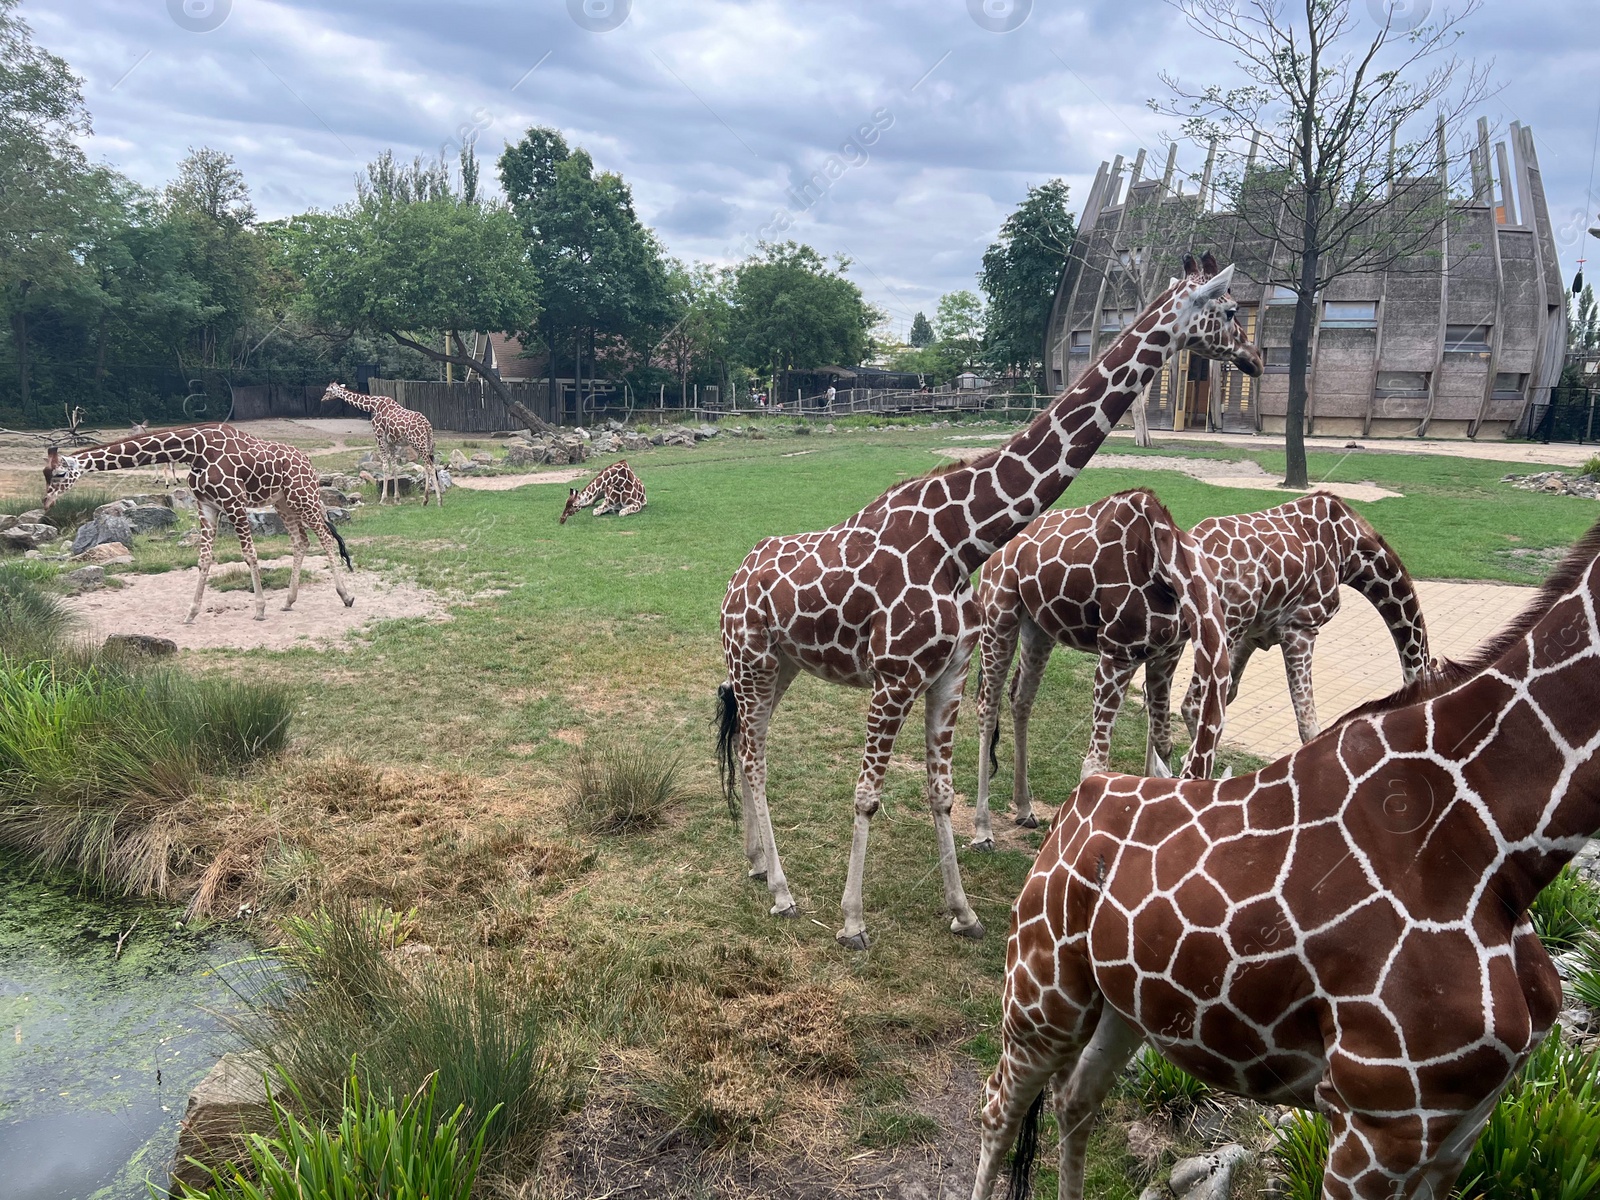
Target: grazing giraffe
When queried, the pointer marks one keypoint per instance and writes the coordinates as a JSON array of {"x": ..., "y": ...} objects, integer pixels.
[
  {"x": 1345, "y": 930},
  {"x": 394, "y": 426},
  {"x": 615, "y": 490},
  {"x": 1279, "y": 574},
  {"x": 229, "y": 472},
  {"x": 884, "y": 600},
  {"x": 1117, "y": 579}
]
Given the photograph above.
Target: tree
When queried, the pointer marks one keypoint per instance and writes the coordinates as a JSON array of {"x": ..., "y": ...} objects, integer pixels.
[
  {"x": 1334, "y": 148},
  {"x": 1019, "y": 277},
  {"x": 921, "y": 331},
  {"x": 791, "y": 311},
  {"x": 958, "y": 329},
  {"x": 208, "y": 206},
  {"x": 1583, "y": 332},
  {"x": 699, "y": 332}
]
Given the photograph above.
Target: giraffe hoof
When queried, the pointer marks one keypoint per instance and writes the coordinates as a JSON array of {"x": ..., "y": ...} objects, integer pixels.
[
  {"x": 974, "y": 932},
  {"x": 852, "y": 941},
  {"x": 1028, "y": 822},
  {"x": 350, "y": 603},
  {"x": 792, "y": 913},
  {"x": 986, "y": 846}
]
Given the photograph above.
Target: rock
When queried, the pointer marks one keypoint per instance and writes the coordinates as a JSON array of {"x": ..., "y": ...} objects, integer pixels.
[
  {"x": 614, "y": 426},
  {"x": 264, "y": 522},
  {"x": 367, "y": 477},
  {"x": 147, "y": 517},
  {"x": 1207, "y": 1176},
  {"x": 337, "y": 516},
  {"x": 34, "y": 516},
  {"x": 445, "y": 482},
  {"x": 580, "y": 431},
  {"x": 225, "y": 1106},
  {"x": 140, "y": 643},
  {"x": 117, "y": 508},
  {"x": 7, "y": 520},
  {"x": 518, "y": 455},
  {"x": 111, "y": 527},
  {"x": 458, "y": 459},
  {"x": 483, "y": 458},
  {"x": 330, "y": 495},
  {"x": 702, "y": 432},
  {"x": 104, "y": 555},
  {"x": 183, "y": 498},
  {"x": 605, "y": 443},
  {"x": 85, "y": 579},
  {"x": 1556, "y": 483},
  {"x": 29, "y": 535},
  {"x": 507, "y": 433},
  {"x": 143, "y": 498}
]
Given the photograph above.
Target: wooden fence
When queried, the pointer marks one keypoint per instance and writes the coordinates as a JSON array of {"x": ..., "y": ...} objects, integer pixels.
[
  {"x": 258, "y": 401},
  {"x": 467, "y": 407}
]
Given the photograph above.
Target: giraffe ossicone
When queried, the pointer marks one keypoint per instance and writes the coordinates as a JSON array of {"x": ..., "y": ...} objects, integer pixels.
[
  {"x": 615, "y": 490},
  {"x": 883, "y": 600},
  {"x": 394, "y": 426},
  {"x": 230, "y": 472}
]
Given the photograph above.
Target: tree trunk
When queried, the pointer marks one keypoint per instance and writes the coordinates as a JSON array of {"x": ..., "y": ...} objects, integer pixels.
[
  {"x": 19, "y": 331},
  {"x": 1294, "y": 421},
  {"x": 550, "y": 364},
  {"x": 462, "y": 359}
]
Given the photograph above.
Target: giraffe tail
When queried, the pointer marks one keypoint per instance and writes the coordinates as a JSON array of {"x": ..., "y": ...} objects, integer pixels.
[
  {"x": 344, "y": 551},
  {"x": 727, "y": 721},
  {"x": 1027, "y": 1151}
]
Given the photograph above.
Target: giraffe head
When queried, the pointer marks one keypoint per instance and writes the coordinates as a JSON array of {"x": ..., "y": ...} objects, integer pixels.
[
  {"x": 1207, "y": 318},
  {"x": 572, "y": 505},
  {"x": 61, "y": 471}
]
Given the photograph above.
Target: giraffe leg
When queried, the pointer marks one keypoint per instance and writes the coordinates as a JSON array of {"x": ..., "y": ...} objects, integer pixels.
[
  {"x": 1078, "y": 1096},
  {"x": 1297, "y": 646},
  {"x": 1158, "y": 705},
  {"x": 1009, "y": 1095},
  {"x": 1034, "y": 655},
  {"x": 1111, "y": 680},
  {"x": 755, "y": 720},
  {"x": 297, "y": 538},
  {"x": 208, "y": 542},
  {"x": 240, "y": 516},
  {"x": 887, "y": 713},
  {"x": 326, "y": 540},
  {"x": 996, "y": 650},
  {"x": 942, "y": 705},
  {"x": 1238, "y": 655}
]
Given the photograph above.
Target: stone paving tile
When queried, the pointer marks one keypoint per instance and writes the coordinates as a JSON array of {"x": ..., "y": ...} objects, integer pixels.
[{"x": 1355, "y": 660}]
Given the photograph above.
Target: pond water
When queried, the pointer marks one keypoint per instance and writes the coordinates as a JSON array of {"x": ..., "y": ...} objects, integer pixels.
[{"x": 99, "y": 1050}]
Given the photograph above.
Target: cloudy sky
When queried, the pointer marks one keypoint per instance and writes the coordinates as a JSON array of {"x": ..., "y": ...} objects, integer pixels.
[{"x": 714, "y": 110}]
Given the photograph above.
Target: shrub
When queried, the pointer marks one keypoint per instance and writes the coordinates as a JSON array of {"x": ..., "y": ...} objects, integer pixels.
[
  {"x": 1591, "y": 466},
  {"x": 376, "y": 1151},
  {"x": 1162, "y": 1087},
  {"x": 1565, "y": 910},
  {"x": 619, "y": 788},
  {"x": 67, "y": 513},
  {"x": 1586, "y": 980}
]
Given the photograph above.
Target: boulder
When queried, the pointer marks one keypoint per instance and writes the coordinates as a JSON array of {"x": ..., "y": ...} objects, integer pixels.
[
  {"x": 140, "y": 643},
  {"x": 105, "y": 554},
  {"x": 228, "y": 1104},
  {"x": 526, "y": 455},
  {"x": 612, "y": 425},
  {"x": 458, "y": 459},
  {"x": 337, "y": 516},
  {"x": 580, "y": 431},
  {"x": 264, "y": 522},
  {"x": 29, "y": 535},
  {"x": 183, "y": 498},
  {"x": 1207, "y": 1176},
  {"x": 162, "y": 498},
  {"x": 7, "y": 520},
  {"x": 110, "y": 527},
  {"x": 148, "y": 517},
  {"x": 445, "y": 482},
  {"x": 483, "y": 458},
  {"x": 85, "y": 579},
  {"x": 703, "y": 431},
  {"x": 117, "y": 508}
]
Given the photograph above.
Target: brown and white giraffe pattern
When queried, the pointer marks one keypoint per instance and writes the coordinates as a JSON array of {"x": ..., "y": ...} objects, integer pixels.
[
  {"x": 1345, "y": 930},
  {"x": 1279, "y": 572},
  {"x": 1117, "y": 579},
  {"x": 615, "y": 490},
  {"x": 394, "y": 426},
  {"x": 884, "y": 601},
  {"x": 230, "y": 472}
]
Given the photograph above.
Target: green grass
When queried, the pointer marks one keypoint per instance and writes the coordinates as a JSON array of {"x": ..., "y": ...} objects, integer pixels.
[
  {"x": 1565, "y": 910},
  {"x": 1162, "y": 1087},
  {"x": 66, "y": 514},
  {"x": 272, "y": 579},
  {"x": 622, "y": 787}
]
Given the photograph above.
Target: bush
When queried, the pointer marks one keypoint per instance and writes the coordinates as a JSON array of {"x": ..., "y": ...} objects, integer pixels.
[
  {"x": 376, "y": 1151},
  {"x": 1591, "y": 466},
  {"x": 1586, "y": 980},
  {"x": 1162, "y": 1087},
  {"x": 1565, "y": 910},
  {"x": 618, "y": 788}
]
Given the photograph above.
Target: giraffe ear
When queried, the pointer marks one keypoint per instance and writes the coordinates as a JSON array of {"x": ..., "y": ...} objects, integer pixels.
[
  {"x": 1208, "y": 263},
  {"x": 1214, "y": 287},
  {"x": 53, "y": 458},
  {"x": 1188, "y": 265}
]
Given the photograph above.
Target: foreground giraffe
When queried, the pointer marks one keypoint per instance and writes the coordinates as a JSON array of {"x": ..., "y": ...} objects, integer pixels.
[
  {"x": 615, "y": 490},
  {"x": 1346, "y": 930},
  {"x": 394, "y": 425},
  {"x": 230, "y": 472},
  {"x": 1279, "y": 573},
  {"x": 883, "y": 600},
  {"x": 1118, "y": 579}
]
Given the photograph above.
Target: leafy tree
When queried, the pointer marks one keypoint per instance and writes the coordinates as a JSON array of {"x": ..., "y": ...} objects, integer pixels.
[
  {"x": 958, "y": 328},
  {"x": 1583, "y": 331},
  {"x": 921, "y": 331},
  {"x": 698, "y": 336},
  {"x": 1019, "y": 277},
  {"x": 209, "y": 210},
  {"x": 792, "y": 311}
]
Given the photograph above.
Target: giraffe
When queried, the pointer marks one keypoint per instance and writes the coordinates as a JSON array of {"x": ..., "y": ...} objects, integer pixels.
[
  {"x": 1345, "y": 930},
  {"x": 883, "y": 600},
  {"x": 1279, "y": 574},
  {"x": 394, "y": 426},
  {"x": 229, "y": 471},
  {"x": 615, "y": 490},
  {"x": 1118, "y": 579}
]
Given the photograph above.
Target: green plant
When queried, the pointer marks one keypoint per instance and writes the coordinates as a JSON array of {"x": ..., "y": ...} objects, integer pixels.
[
  {"x": 66, "y": 514},
  {"x": 802, "y": 429},
  {"x": 1586, "y": 981},
  {"x": 1565, "y": 910},
  {"x": 272, "y": 579},
  {"x": 1300, "y": 1155},
  {"x": 1591, "y": 466},
  {"x": 621, "y": 787},
  {"x": 1162, "y": 1087},
  {"x": 377, "y": 1151},
  {"x": 33, "y": 621}
]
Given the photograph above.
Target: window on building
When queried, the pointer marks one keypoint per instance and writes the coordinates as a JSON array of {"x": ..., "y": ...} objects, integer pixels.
[
  {"x": 1350, "y": 314},
  {"x": 1080, "y": 341},
  {"x": 1276, "y": 360},
  {"x": 1281, "y": 293},
  {"x": 1509, "y": 385},
  {"x": 1466, "y": 339},
  {"x": 1401, "y": 385},
  {"x": 1115, "y": 320}
]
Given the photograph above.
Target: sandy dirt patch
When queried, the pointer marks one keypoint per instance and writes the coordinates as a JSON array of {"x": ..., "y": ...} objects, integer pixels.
[
  {"x": 504, "y": 483},
  {"x": 157, "y": 604}
]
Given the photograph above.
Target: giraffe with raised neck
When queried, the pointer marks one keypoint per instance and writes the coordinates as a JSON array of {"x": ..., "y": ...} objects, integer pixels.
[
  {"x": 394, "y": 426},
  {"x": 883, "y": 600},
  {"x": 1120, "y": 580},
  {"x": 1344, "y": 931},
  {"x": 230, "y": 472},
  {"x": 615, "y": 490}
]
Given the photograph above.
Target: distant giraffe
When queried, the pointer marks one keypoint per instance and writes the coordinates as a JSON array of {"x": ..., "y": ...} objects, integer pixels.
[
  {"x": 229, "y": 472},
  {"x": 615, "y": 490},
  {"x": 394, "y": 426}
]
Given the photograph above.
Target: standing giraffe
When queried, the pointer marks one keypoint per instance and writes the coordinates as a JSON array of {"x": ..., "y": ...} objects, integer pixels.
[
  {"x": 615, "y": 490},
  {"x": 1345, "y": 930},
  {"x": 884, "y": 600},
  {"x": 394, "y": 426},
  {"x": 1118, "y": 579},
  {"x": 1279, "y": 574},
  {"x": 229, "y": 472}
]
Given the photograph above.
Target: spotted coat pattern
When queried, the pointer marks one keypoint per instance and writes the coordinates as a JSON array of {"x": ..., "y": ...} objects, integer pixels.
[
  {"x": 615, "y": 490},
  {"x": 394, "y": 426},
  {"x": 1346, "y": 930},
  {"x": 1117, "y": 579},
  {"x": 883, "y": 600},
  {"x": 230, "y": 472}
]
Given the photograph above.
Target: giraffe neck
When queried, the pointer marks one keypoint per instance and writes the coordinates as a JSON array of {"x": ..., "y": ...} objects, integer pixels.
[
  {"x": 1370, "y": 567},
  {"x": 1028, "y": 474},
  {"x": 361, "y": 401},
  {"x": 164, "y": 447}
]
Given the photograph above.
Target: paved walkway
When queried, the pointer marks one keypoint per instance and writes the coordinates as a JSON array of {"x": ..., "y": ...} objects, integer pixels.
[
  {"x": 1516, "y": 453},
  {"x": 1355, "y": 660}
]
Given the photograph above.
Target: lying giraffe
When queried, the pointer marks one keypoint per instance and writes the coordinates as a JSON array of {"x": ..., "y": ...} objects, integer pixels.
[
  {"x": 615, "y": 490},
  {"x": 1279, "y": 572},
  {"x": 1118, "y": 579},
  {"x": 1345, "y": 931},
  {"x": 229, "y": 472},
  {"x": 394, "y": 426},
  {"x": 883, "y": 600}
]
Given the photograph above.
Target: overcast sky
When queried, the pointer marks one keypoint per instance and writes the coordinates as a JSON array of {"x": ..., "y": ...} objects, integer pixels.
[{"x": 714, "y": 109}]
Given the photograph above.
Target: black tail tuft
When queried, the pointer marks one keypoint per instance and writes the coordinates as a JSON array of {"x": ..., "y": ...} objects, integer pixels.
[
  {"x": 994, "y": 743},
  {"x": 1027, "y": 1151},
  {"x": 727, "y": 721},
  {"x": 344, "y": 551}
]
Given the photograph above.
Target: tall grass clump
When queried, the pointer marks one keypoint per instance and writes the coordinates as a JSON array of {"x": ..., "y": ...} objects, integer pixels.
[
  {"x": 378, "y": 1149},
  {"x": 619, "y": 788},
  {"x": 66, "y": 514},
  {"x": 1565, "y": 910},
  {"x": 1161, "y": 1086},
  {"x": 479, "y": 1038},
  {"x": 33, "y": 621}
]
